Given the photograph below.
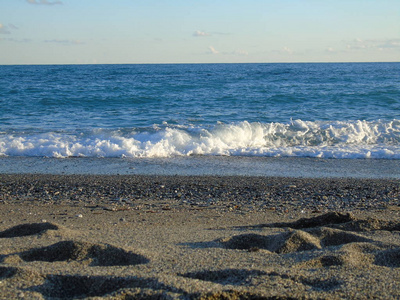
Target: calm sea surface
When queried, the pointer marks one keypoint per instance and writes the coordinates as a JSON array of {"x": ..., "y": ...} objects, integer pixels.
[{"x": 345, "y": 110}]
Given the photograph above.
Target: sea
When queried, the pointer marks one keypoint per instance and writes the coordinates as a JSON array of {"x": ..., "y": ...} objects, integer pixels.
[{"x": 267, "y": 119}]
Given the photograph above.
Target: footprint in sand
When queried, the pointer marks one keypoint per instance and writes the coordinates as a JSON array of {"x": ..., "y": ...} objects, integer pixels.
[
  {"x": 294, "y": 240},
  {"x": 93, "y": 254},
  {"x": 28, "y": 229},
  {"x": 333, "y": 231},
  {"x": 84, "y": 252}
]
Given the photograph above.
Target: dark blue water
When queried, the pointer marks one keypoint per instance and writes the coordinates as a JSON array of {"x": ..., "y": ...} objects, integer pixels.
[{"x": 345, "y": 110}]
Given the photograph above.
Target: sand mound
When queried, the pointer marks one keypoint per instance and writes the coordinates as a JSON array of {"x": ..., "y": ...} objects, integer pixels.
[
  {"x": 348, "y": 258},
  {"x": 314, "y": 235},
  {"x": 344, "y": 221},
  {"x": 352, "y": 254},
  {"x": 297, "y": 241},
  {"x": 330, "y": 218},
  {"x": 335, "y": 260},
  {"x": 370, "y": 224},
  {"x": 334, "y": 237},
  {"x": 294, "y": 241},
  {"x": 28, "y": 229},
  {"x": 96, "y": 254},
  {"x": 281, "y": 243}
]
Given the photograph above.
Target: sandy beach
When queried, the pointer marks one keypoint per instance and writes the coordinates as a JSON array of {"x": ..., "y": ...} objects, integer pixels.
[{"x": 198, "y": 237}]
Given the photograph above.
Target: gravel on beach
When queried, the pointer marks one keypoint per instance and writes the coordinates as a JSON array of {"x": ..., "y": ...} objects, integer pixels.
[{"x": 213, "y": 192}]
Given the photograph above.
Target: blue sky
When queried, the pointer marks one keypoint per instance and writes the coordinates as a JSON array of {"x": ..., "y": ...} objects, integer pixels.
[{"x": 198, "y": 31}]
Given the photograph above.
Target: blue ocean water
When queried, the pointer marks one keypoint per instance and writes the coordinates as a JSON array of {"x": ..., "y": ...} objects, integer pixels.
[{"x": 335, "y": 110}]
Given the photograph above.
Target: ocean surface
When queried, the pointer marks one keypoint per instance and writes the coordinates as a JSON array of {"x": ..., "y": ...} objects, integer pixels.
[{"x": 191, "y": 112}]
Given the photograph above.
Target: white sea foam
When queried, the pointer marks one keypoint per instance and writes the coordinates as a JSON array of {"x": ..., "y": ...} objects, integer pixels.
[{"x": 358, "y": 139}]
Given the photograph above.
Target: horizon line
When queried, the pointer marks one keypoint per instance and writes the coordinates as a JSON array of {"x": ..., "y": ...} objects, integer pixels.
[{"x": 196, "y": 63}]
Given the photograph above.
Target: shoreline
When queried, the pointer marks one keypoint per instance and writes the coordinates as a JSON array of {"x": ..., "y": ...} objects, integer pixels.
[
  {"x": 304, "y": 167},
  {"x": 198, "y": 237}
]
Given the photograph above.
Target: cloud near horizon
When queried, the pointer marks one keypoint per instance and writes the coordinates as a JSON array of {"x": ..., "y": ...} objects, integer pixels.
[
  {"x": 359, "y": 44},
  {"x": 16, "y": 40},
  {"x": 199, "y": 33},
  {"x": 65, "y": 42},
  {"x": 241, "y": 52},
  {"x": 287, "y": 50},
  {"x": 213, "y": 50},
  {"x": 43, "y": 2}
]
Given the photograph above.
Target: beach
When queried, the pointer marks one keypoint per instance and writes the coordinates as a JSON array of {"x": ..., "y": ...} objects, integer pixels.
[{"x": 198, "y": 237}]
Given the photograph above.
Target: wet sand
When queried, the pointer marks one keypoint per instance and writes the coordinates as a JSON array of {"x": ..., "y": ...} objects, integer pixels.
[
  {"x": 198, "y": 237},
  {"x": 294, "y": 167}
]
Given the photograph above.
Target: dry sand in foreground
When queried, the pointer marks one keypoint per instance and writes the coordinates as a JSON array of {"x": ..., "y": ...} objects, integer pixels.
[{"x": 173, "y": 242}]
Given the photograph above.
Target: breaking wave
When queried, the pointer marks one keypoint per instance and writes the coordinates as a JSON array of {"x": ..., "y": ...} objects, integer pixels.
[{"x": 355, "y": 139}]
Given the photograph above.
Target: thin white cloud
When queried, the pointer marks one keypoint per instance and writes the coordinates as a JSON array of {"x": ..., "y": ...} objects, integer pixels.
[
  {"x": 65, "y": 42},
  {"x": 199, "y": 33},
  {"x": 392, "y": 43},
  {"x": 357, "y": 44},
  {"x": 241, "y": 52},
  {"x": 213, "y": 50},
  {"x": 381, "y": 44},
  {"x": 287, "y": 50},
  {"x": 16, "y": 40},
  {"x": 44, "y": 2},
  {"x": 220, "y": 33}
]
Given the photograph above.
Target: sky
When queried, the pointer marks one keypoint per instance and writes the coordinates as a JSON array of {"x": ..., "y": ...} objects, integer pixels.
[{"x": 198, "y": 31}]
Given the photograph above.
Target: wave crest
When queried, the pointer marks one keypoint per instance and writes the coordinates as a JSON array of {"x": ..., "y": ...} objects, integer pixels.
[{"x": 358, "y": 139}]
